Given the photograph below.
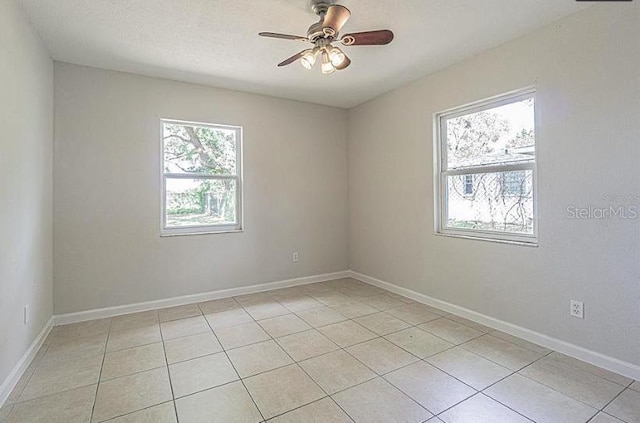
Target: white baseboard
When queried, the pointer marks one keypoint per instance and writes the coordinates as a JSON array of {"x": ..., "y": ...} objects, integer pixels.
[
  {"x": 610, "y": 363},
  {"x": 12, "y": 380},
  {"x": 100, "y": 313}
]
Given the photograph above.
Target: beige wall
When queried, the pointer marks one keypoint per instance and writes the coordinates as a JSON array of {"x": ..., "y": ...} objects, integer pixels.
[
  {"x": 26, "y": 140},
  {"x": 587, "y": 72},
  {"x": 107, "y": 191}
]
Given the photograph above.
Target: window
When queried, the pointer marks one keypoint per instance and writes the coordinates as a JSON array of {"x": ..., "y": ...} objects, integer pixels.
[
  {"x": 201, "y": 178},
  {"x": 468, "y": 185},
  {"x": 486, "y": 169}
]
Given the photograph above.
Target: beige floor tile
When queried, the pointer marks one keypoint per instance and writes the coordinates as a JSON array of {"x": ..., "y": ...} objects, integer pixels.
[
  {"x": 361, "y": 292},
  {"x": 538, "y": 402},
  {"x": 179, "y": 312},
  {"x": 381, "y": 356},
  {"x": 502, "y": 352},
  {"x": 284, "y": 325},
  {"x": 253, "y": 299},
  {"x": 74, "y": 349},
  {"x": 241, "y": 335},
  {"x": 62, "y": 376},
  {"x": 470, "y": 368},
  {"x": 451, "y": 331},
  {"x": 300, "y": 303},
  {"x": 258, "y": 358},
  {"x": 482, "y": 409},
  {"x": 72, "y": 406},
  {"x": 134, "y": 337},
  {"x": 4, "y": 412},
  {"x": 430, "y": 387},
  {"x": 382, "y": 302},
  {"x": 418, "y": 342},
  {"x": 336, "y": 371},
  {"x": 626, "y": 406},
  {"x": 590, "y": 368},
  {"x": 132, "y": 360},
  {"x": 382, "y": 323},
  {"x": 199, "y": 374},
  {"x": 163, "y": 413},
  {"x": 78, "y": 346},
  {"x": 343, "y": 283},
  {"x": 318, "y": 317},
  {"x": 347, "y": 333},
  {"x": 17, "y": 390},
  {"x": 225, "y": 404},
  {"x": 332, "y": 298},
  {"x": 287, "y": 293},
  {"x": 315, "y": 289},
  {"x": 414, "y": 313},
  {"x": 521, "y": 342},
  {"x": 605, "y": 418},
  {"x": 37, "y": 359},
  {"x": 80, "y": 330},
  {"x": 405, "y": 300},
  {"x": 188, "y": 347},
  {"x": 215, "y": 306},
  {"x": 323, "y": 411},
  {"x": 228, "y": 318},
  {"x": 127, "y": 394},
  {"x": 134, "y": 320},
  {"x": 307, "y": 344},
  {"x": 470, "y": 323},
  {"x": 184, "y": 327},
  {"x": 377, "y": 401},
  {"x": 353, "y": 309},
  {"x": 267, "y": 310},
  {"x": 577, "y": 384},
  {"x": 282, "y": 390}
]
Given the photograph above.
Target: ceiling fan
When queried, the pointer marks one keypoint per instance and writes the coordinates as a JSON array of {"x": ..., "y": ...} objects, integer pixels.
[{"x": 322, "y": 33}]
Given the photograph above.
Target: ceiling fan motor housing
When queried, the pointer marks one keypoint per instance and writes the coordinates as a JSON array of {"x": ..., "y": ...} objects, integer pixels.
[{"x": 319, "y": 7}]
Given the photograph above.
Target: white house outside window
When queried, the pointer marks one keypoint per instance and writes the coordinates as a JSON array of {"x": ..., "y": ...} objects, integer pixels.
[
  {"x": 201, "y": 178},
  {"x": 486, "y": 168}
]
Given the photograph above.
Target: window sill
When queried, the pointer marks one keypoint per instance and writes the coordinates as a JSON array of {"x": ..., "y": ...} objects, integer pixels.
[
  {"x": 191, "y": 233},
  {"x": 533, "y": 243}
]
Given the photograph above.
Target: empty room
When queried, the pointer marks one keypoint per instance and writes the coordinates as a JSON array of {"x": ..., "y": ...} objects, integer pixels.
[{"x": 319, "y": 211}]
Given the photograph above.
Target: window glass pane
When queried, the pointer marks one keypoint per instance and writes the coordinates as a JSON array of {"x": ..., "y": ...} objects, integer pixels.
[
  {"x": 500, "y": 202},
  {"x": 199, "y": 149},
  {"x": 200, "y": 202},
  {"x": 495, "y": 136}
]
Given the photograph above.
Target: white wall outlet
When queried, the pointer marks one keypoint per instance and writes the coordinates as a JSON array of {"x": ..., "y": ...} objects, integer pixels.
[
  {"x": 26, "y": 316},
  {"x": 576, "y": 309},
  {"x": 295, "y": 257}
]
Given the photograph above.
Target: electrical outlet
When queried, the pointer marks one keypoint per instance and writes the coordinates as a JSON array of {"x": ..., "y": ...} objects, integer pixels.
[
  {"x": 295, "y": 257},
  {"x": 576, "y": 309},
  {"x": 26, "y": 314}
]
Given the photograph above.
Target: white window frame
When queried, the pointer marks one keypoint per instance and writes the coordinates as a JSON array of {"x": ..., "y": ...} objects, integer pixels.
[
  {"x": 201, "y": 229},
  {"x": 441, "y": 172}
]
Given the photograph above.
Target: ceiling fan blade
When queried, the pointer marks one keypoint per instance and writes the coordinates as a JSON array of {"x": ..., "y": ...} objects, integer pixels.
[
  {"x": 334, "y": 19},
  {"x": 345, "y": 63},
  {"x": 369, "y": 38},
  {"x": 283, "y": 36},
  {"x": 292, "y": 59}
]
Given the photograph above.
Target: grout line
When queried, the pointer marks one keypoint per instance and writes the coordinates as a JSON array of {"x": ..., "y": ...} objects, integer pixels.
[
  {"x": 164, "y": 349},
  {"x": 269, "y": 296},
  {"x": 234, "y": 369},
  {"x": 104, "y": 354}
]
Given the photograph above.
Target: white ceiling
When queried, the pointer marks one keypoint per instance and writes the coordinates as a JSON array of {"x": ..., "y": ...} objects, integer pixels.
[{"x": 215, "y": 42}]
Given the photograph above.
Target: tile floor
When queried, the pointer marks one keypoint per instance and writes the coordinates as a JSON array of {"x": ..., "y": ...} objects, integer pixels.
[{"x": 338, "y": 351}]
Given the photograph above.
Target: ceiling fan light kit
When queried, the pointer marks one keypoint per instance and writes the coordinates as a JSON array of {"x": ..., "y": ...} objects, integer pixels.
[{"x": 327, "y": 30}]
